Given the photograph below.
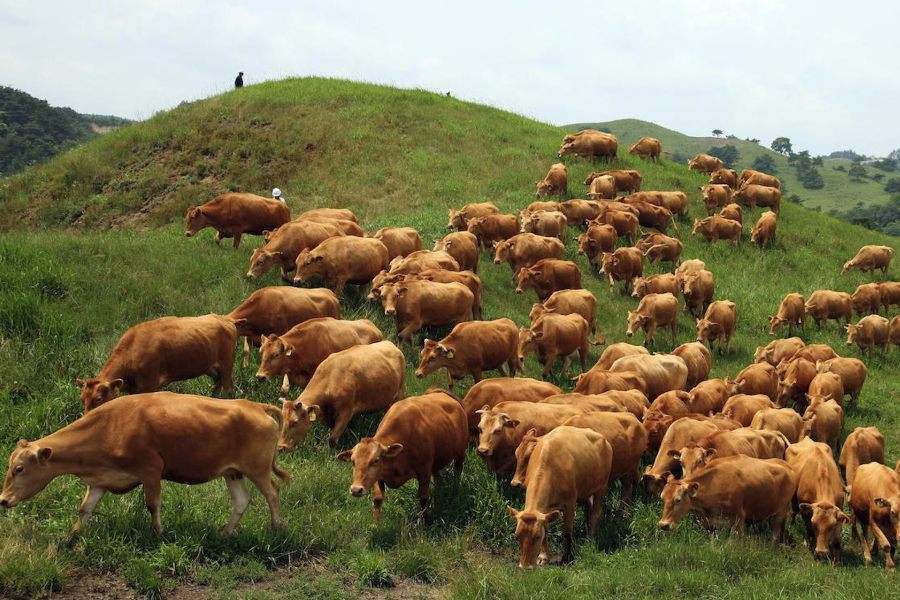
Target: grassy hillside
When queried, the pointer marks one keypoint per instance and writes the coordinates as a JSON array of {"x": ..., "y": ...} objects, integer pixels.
[
  {"x": 840, "y": 192},
  {"x": 71, "y": 287}
]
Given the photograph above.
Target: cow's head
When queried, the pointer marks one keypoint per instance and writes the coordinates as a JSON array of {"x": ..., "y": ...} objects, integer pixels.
[
  {"x": 275, "y": 356},
  {"x": 96, "y": 391},
  {"x": 28, "y": 473},
  {"x": 677, "y": 496},
  {"x": 368, "y": 458},
  {"x": 692, "y": 457},
  {"x": 501, "y": 250},
  {"x": 636, "y": 320},
  {"x": 532, "y": 528},
  {"x": 261, "y": 261},
  {"x": 523, "y": 456},
  {"x": 434, "y": 356},
  {"x": 491, "y": 428},
  {"x": 827, "y": 521},
  {"x": 296, "y": 418},
  {"x": 708, "y": 330},
  {"x": 391, "y": 295},
  {"x": 194, "y": 221},
  {"x": 529, "y": 340}
]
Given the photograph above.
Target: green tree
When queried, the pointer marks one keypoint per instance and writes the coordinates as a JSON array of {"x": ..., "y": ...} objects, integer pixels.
[
  {"x": 857, "y": 172},
  {"x": 782, "y": 145},
  {"x": 892, "y": 186},
  {"x": 728, "y": 154},
  {"x": 717, "y": 132},
  {"x": 764, "y": 163}
]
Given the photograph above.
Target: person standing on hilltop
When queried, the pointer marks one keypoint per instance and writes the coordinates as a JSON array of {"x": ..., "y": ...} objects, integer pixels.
[
  {"x": 239, "y": 81},
  {"x": 276, "y": 195}
]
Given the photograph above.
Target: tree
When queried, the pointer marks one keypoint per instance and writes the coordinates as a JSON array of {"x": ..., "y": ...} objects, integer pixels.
[
  {"x": 818, "y": 161},
  {"x": 764, "y": 163},
  {"x": 892, "y": 186},
  {"x": 886, "y": 164},
  {"x": 857, "y": 172},
  {"x": 782, "y": 145},
  {"x": 717, "y": 132},
  {"x": 728, "y": 154}
]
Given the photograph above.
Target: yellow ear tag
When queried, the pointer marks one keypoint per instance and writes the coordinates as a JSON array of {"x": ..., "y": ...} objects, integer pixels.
[
  {"x": 450, "y": 354},
  {"x": 312, "y": 416},
  {"x": 289, "y": 351}
]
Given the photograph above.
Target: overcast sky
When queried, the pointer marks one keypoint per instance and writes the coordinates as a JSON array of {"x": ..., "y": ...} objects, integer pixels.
[{"x": 826, "y": 74}]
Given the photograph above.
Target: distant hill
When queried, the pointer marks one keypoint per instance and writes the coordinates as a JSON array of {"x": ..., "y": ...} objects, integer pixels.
[
  {"x": 32, "y": 131},
  {"x": 839, "y": 194}
]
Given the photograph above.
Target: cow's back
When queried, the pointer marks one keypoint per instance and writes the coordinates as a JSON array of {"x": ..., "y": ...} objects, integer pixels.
[{"x": 276, "y": 309}]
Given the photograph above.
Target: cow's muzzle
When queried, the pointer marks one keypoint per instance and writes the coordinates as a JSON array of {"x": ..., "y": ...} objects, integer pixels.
[{"x": 357, "y": 491}]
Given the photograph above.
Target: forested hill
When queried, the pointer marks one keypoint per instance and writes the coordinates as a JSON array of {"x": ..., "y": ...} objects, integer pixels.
[{"x": 32, "y": 131}]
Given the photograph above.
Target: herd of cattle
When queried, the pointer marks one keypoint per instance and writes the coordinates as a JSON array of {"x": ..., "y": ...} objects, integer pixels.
[{"x": 729, "y": 451}]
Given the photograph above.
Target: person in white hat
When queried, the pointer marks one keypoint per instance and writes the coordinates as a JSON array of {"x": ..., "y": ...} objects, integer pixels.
[{"x": 276, "y": 194}]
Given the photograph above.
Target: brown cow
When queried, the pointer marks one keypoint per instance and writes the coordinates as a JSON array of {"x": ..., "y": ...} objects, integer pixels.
[
  {"x": 549, "y": 275},
  {"x": 705, "y": 163},
  {"x": 569, "y": 465},
  {"x": 597, "y": 381},
  {"x": 616, "y": 351},
  {"x": 661, "y": 372},
  {"x": 154, "y": 353},
  {"x": 399, "y": 241},
  {"x": 345, "y": 226},
  {"x": 659, "y": 283},
  {"x": 682, "y": 430},
  {"x": 624, "y": 264},
  {"x": 658, "y": 247},
  {"x": 275, "y": 309},
  {"x": 764, "y": 230},
  {"x": 566, "y": 302},
  {"x": 853, "y": 374},
  {"x": 597, "y": 241},
  {"x": 826, "y": 385},
  {"x": 786, "y": 420},
  {"x": 602, "y": 188},
  {"x": 792, "y": 311},
  {"x": 715, "y": 196},
  {"x": 551, "y": 205},
  {"x": 286, "y": 242},
  {"x": 718, "y": 324},
  {"x": 343, "y": 260},
  {"x": 490, "y": 392},
  {"x": 826, "y": 304},
  {"x": 555, "y": 335},
  {"x": 866, "y": 300},
  {"x": 646, "y": 147},
  {"x": 145, "y": 438},
  {"x": 732, "y": 211},
  {"x": 890, "y": 294},
  {"x": 794, "y": 385},
  {"x": 753, "y": 195},
  {"x": 820, "y": 496},
  {"x": 823, "y": 421},
  {"x": 361, "y": 379},
  {"x": 329, "y": 214},
  {"x": 717, "y": 228},
  {"x": 698, "y": 361},
  {"x": 707, "y": 397},
  {"x": 627, "y": 180},
  {"x": 689, "y": 266},
  {"x": 698, "y": 289},
  {"x": 545, "y": 223},
  {"x": 870, "y": 258},
  {"x": 743, "y": 407},
  {"x": 650, "y": 215},
  {"x": 869, "y": 332},
  {"x": 415, "y": 304},
  {"x": 719, "y": 444},
  {"x": 493, "y": 228},
  {"x": 525, "y": 249},
  {"x": 555, "y": 182},
  {"x": 416, "y": 439},
  {"x": 862, "y": 446},
  {"x": 467, "y": 278},
  {"x": 760, "y": 178},
  {"x": 736, "y": 489},
  {"x": 758, "y": 378},
  {"x": 654, "y": 310},
  {"x": 473, "y": 347},
  {"x": 894, "y": 331},
  {"x": 298, "y": 352},
  {"x": 233, "y": 215},
  {"x": 459, "y": 219},
  {"x": 875, "y": 502},
  {"x": 625, "y": 224},
  {"x": 590, "y": 143},
  {"x": 778, "y": 350},
  {"x": 421, "y": 260},
  {"x": 813, "y": 353},
  {"x": 579, "y": 211},
  {"x": 673, "y": 402},
  {"x": 726, "y": 176}
]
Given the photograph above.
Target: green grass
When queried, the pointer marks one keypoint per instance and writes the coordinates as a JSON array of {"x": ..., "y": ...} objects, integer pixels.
[{"x": 396, "y": 157}]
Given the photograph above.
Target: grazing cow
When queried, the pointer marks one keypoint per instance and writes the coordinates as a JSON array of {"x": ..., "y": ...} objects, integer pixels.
[
  {"x": 753, "y": 195},
  {"x": 718, "y": 324},
  {"x": 870, "y": 258},
  {"x": 889, "y": 291},
  {"x": 399, "y": 241},
  {"x": 545, "y": 223},
  {"x": 704, "y": 163},
  {"x": 698, "y": 361},
  {"x": 275, "y": 309},
  {"x": 493, "y": 228},
  {"x": 421, "y": 260},
  {"x": 625, "y": 224},
  {"x": 467, "y": 278},
  {"x": 549, "y": 275},
  {"x": 602, "y": 188},
  {"x": 646, "y": 147},
  {"x": 566, "y": 302},
  {"x": 590, "y": 143},
  {"x": 794, "y": 385},
  {"x": 659, "y": 283},
  {"x": 826, "y": 304},
  {"x": 732, "y": 211},
  {"x": 362, "y": 379},
  {"x": 764, "y": 230},
  {"x": 459, "y": 219},
  {"x": 597, "y": 241},
  {"x": 875, "y": 502},
  {"x": 743, "y": 407},
  {"x": 624, "y": 264},
  {"x": 299, "y": 351},
  {"x": 233, "y": 215},
  {"x": 551, "y": 205},
  {"x": 651, "y": 215},
  {"x": 853, "y": 374},
  {"x": 698, "y": 289},
  {"x": 660, "y": 372},
  {"x": 658, "y": 247},
  {"x": 717, "y": 228},
  {"x": 862, "y": 446},
  {"x": 492, "y": 391},
  {"x": 719, "y": 444},
  {"x": 759, "y": 178},
  {"x": 823, "y": 421},
  {"x": 616, "y": 351},
  {"x": 416, "y": 304},
  {"x": 416, "y": 439},
  {"x": 682, "y": 430},
  {"x": 597, "y": 381},
  {"x": 707, "y": 397},
  {"x": 567, "y": 465},
  {"x": 462, "y": 246},
  {"x": 675, "y": 202},
  {"x": 826, "y": 385},
  {"x": 736, "y": 489},
  {"x": 579, "y": 211},
  {"x": 329, "y": 214},
  {"x": 555, "y": 335},
  {"x": 673, "y": 402},
  {"x": 654, "y": 310},
  {"x": 689, "y": 266},
  {"x": 555, "y": 182},
  {"x": 726, "y": 176},
  {"x": 758, "y": 378},
  {"x": 869, "y": 332},
  {"x": 866, "y": 299},
  {"x": 286, "y": 242},
  {"x": 342, "y": 260},
  {"x": 525, "y": 249},
  {"x": 715, "y": 195},
  {"x": 473, "y": 347},
  {"x": 786, "y": 420},
  {"x": 627, "y": 180},
  {"x": 145, "y": 438},
  {"x": 791, "y": 311},
  {"x": 813, "y": 353},
  {"x": 154, "y": 353},
  {"x": 778, "y": 350},
  {"x": 820, "y": 497}
]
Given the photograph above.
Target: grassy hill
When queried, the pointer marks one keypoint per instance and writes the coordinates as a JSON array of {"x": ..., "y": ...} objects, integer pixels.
[
  {"x": 840, "y": 192},
  {"x": 93, "y": 243}
]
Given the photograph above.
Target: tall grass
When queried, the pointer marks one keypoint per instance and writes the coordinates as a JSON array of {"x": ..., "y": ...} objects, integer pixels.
[{"x": 69, "y": 295}]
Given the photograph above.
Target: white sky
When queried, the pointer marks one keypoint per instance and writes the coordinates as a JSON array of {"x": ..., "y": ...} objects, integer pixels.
[{"x": 826, "y": 74}]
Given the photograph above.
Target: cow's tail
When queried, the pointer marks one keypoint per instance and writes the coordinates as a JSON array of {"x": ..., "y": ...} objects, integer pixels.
[{"x": 281, "y": 473}]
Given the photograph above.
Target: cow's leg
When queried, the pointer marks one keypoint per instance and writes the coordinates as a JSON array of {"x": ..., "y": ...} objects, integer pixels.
[
  {"x": 582, "y": 355},
  {"x": 226, "y": 379},
  {"x": 548, "y": 365},
  {"x": 237, "y": 238},
  {"x": 458, "y": 464},
  {"x": 424, "y": 488},
  {"x": 218, "y": 237},
  {"x": 246, "y": 361},
  {"x": 881, "y": 541},
  {"x": 268, "y": 487},
  {"x": 596, "y": 509},
  {"x": 240, "y": 499},
  {"x": 778, "y": 521},
  {"x": 867, "y": 549},
  {"x": 341, "y": 421},
  {"x": 91, "y": 498},
  {"x": 568, "y": 527},
  {"x": 377, "y": 498},
  {"x": 152, "y": 493},
  {"x": 651, "y": 330},
  {"x": 286, "y": 384}
]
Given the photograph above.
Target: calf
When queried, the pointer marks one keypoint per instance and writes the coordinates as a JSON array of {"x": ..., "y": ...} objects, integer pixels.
[
  {"x": 552, "y": 336},
  {"x": 718, "y": 324},
  {"x": 654, "y": 310},
  {"x": 764, "y": 230},
  {"x": 869, "y": 332},
  {"x": 555, "y": 182},
  {"x": 473, "y": 347}
]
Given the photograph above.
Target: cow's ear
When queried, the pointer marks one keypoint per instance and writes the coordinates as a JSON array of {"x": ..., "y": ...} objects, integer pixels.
[
  {"x": 393, "y": 450},
  {"x": 313, "y": 411},
  {"x": 43, "y": 456},
  {"x": 511, "y": 423},
  {"x": 534, "y": 274},
  {"x": 840, "y": 516},
  {"x": 710, "y": 453},
  {"x": 539, "y": 334},
  {"x": 288, "y": 349},
  {"x": 552, "y": 516},
  {"x": 692, "y": 488},
  {"x": 806, "y": 508},
  {"x": 116, "y": 386},
  {"x": 81, "y": 382},
  {"x": 667, "y": 477},
  {"x": 319, "y": 257},
  {"x": 345, "y": 456},
  {"x": 512, "y": 512},
  {"x": 283, "y": 401},
  {"x": 402, "y": 291},
  {"x": 447, "y": 351}
]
